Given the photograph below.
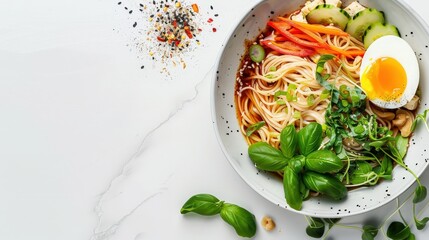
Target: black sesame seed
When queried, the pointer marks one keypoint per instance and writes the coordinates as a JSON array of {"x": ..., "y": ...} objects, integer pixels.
[
  {"x": 119, "y": 3},
  {"x": 135, "y": 24}
]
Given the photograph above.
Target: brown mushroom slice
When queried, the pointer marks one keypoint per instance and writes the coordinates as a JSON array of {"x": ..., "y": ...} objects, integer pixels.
[
  {"x": 400, "y": 120},
  {"x": 382, "y": 114},
  {"x": 413, "y": 103},
  {"x": 385, "y": 115},
  {"x": 404, "y": 120}
]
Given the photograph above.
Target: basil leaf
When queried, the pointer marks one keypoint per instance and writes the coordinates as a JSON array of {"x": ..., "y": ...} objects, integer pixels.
[
  {"x": 369, "y": 232},
  {"x": 203, "y": 204},
  {"x": 367, "y": 236},
  {"x": 360, "y": 175},
  {"x": 288, "y": 141},
  {"x": 291, "y": 186},
  {"x": 398, "y": 231},
  {"x": 297, "y": 163},
  {"x": 420, "y": 224},
  {"x": 401, "y": 145},
  {"x": 386, "y": 168},
  {"x": 422, "y": 117},
  {"x": 325, "y": 184},
  {"x": 419, "y": 194},
  {"x": 266, "y": 157},
  {"x": 240, "y": 219},
  {"x": 310, "y": 138},
  {"x": 316, "y": 228},
  {"x": 305, "y": 192},
  {"x": 254, "y": 127},
  {"x": 323, "y": 161}
]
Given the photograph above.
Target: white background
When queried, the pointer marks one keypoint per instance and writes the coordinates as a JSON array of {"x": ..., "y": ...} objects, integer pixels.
[{"x": 94, "y": 147}]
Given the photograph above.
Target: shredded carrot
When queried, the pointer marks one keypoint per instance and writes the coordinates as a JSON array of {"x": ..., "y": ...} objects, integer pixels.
[
  {"x": 195, "y": 8},
  {"x": 280, "y": 39},
  {"x": 315, "y": 27},
  {"x": 349, "y": 53},
  {"x": 301, "y": 36},
  {"x": 295, "y": 30},
  {"x": 305, "y": 36},
  {"x": 327, "y": 51},
  {"x": 315, "y": 36}
]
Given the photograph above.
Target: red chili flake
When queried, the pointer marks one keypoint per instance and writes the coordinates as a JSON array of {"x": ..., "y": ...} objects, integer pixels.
[
  {"x": 160, "y": 39},
  {"x": 210, "y": 20},
  {"x": 188, "y": 32},
  {"x": 174, "y": 24},
  {"x": 214, "y": 29}
]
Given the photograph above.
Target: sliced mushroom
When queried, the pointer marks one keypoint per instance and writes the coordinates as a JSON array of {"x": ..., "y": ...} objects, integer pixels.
[
  {"x": 413, "y": 103},
  {"x": 388, "y": 116},
  {"x": 400, "y": 120},
  {"x": 403, "y": 121}
]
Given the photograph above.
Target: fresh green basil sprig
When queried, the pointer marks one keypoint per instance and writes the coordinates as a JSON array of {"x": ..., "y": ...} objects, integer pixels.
[
  {"x": 240, "y": 219},
  {"x": 303, "y": 166}
]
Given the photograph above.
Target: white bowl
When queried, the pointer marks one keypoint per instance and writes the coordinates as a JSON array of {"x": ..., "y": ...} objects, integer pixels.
[{"x": 413, "y": 30}]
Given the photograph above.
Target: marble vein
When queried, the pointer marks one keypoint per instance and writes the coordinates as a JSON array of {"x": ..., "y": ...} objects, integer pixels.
[
  {"x": 111, "y": 230},
  {"x": 98, "y": 209}
]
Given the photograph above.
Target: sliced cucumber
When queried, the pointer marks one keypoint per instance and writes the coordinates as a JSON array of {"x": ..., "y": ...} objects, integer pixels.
[
  {"x": 377, "y": 30},
  {"x": 327, "y": 14},
  {"x": 360, "y": 22}
]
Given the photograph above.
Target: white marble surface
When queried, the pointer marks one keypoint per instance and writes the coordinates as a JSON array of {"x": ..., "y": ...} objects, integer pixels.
[{"x": 93, "y": 147}]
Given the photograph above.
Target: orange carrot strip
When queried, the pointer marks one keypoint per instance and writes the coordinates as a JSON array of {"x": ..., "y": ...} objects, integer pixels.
[
  {"x": 305, "y": 36},
  {"x": 295, "y": 30},
  {"x": 280, "y": 39},
  {"x": 315, "y": 27}
]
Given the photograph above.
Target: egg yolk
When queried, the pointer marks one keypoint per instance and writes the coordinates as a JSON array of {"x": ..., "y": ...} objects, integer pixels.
[{"x": 384, "y": 79}]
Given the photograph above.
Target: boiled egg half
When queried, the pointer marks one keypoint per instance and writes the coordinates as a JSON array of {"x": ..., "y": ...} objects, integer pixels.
[{"x": 389, "y": 72}]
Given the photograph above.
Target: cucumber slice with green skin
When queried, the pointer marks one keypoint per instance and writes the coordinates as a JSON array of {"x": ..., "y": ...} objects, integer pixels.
[
  {"x": 362, "y": 20},
  {"x": 377, "y": 30},
  {"x": 327, "y": 14}
]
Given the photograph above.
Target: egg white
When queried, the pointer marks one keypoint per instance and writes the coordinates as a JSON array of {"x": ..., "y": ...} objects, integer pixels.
[{"x": 397, "y": 48}]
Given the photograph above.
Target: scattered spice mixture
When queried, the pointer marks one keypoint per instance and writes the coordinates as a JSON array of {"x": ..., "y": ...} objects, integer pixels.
[{"x": 169, "y": 28}]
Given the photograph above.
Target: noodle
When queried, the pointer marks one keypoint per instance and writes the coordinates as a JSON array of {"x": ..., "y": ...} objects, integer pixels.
[{"x": 256, "y": 101}]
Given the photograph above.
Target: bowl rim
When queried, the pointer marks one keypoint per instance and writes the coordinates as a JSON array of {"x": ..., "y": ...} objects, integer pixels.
[{"x": 402, "y": 4}]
